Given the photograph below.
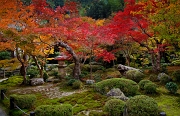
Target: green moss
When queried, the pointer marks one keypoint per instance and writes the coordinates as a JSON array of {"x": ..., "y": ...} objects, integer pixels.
[
  {"x": 85, "y": 101},
  {"x": 168, "y": 104},
  {"x": 78, "y": 108},
  {"x": 11, "y": 82}
]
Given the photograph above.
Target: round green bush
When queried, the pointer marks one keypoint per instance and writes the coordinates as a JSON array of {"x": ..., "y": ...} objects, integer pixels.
[
  {"x": 54, "y": 110},
  {"x": 134, "y": 75},
  {"x": 142, "y": 83},
  {"x": 171, "y": 87},
  {"x": 142, "y": 105},
  {"x": 70, "y": 82},
  {"x": 24, "y": 101},
  {"x": 128, "y": 87},
  {"x": 32, "y": 72},
  {"x": 153, "y": 78},
  {"x": 150, "y": 88},
  {"x": 114, "y": 107},
  {"x": 77, "y": 85},
  {"x": 176, "y": 75}
]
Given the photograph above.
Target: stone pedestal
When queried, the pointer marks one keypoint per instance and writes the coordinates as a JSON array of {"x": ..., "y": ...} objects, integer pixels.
[{"x": 61, "y": 68}]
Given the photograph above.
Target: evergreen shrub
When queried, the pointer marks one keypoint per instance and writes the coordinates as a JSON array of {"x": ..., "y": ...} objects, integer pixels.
[
  {"x": 71, "y": 81},
  {"x": 134, "y": 75},
  {"x": 77, "y": 84},
  {"x": 128, "y": 87},
  {"x": 171, "y": 87},
  {"x": 142, "y": 83},
  {"x": 176, "y": 75},
  {"x": 114, "y": 107},
  {"x": 32, "y": 72},
  {"x": 150, "y": 88},
  {"x": 24, "y": 101},
  {"x": 142, "y": 105},
  {"x": 153, "y": 78},
  {"x": 54, "y": 110}
]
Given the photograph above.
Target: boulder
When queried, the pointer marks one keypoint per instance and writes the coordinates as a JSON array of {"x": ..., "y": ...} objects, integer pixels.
[
  {"x": 163, "y": 74},
  {"x": 117, "y": 93},
  {"x": 36, "y": 81},
  {"x": 122, "y": 69},
  {"x": 90, "y": 82}
]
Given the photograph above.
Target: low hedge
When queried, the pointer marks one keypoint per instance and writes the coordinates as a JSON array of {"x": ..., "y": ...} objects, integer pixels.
[
  {"x": 54, "y": 110},
  {"x": 128, "y": 87},
  {"x": 24, "y": 101}
]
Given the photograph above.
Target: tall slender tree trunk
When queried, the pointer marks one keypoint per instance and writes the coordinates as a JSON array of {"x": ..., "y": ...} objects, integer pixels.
[
  {"x": 23, "y": 60},
  {"x": 40, "y": 67}
]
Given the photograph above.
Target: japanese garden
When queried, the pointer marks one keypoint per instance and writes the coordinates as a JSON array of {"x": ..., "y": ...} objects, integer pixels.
[{"x": 89, "y": 58}]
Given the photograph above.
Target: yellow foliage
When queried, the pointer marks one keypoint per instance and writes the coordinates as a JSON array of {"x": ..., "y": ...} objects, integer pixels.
[{"x": 100, "y": 22}]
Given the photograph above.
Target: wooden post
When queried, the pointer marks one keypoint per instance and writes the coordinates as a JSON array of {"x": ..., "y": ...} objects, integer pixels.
[
  {"x": 2, "y": 94},
  {"x": 12, "y": 103},
  {"x": 32, "y": 113}
]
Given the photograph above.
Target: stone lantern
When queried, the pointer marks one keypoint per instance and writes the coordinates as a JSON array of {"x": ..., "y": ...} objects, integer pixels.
[{"x": 61, "y": 61}]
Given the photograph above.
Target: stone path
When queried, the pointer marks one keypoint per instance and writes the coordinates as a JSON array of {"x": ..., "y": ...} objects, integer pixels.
[
  {"x": 2, "y": 113},
  {"x": 49, "y": 90}
]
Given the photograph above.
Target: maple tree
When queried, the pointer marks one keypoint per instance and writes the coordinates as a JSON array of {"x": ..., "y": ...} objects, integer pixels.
[
  {"x": 16, "y": 19},
  {"x": 135, "y": 24},
  {"x": 76, "y": 33}
]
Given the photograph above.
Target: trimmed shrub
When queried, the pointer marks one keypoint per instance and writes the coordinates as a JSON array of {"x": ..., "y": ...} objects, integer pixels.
[
  {"x": 128, "y": 87},
  {"x": 54, "y": 110},
  {"x": 153, "y": 78},
  {"x": 32, "y": 72},
  {"x": 24, "y": 101},
  {"x": 150, "y": 88},
  {"x": 164, "y": 78},
  {"x": 176, "y": 75},
  {"x": 171, "y": 87},
  {"x": 142, "y": 83},
  {"x": 142, "y": 105},
  {"x": 70, "y": 82},
  {"x": 114, "y": 107},
  {"x": 134, "y": 75},
  {"x": 77, "y": 85}
]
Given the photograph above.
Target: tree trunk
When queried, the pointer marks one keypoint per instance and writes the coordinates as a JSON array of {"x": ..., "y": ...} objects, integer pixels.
[
  {"x": 23, "y": 73},
  {"x": 23, "y": 60},
  {"x": 155, "y": 60},
  {"x": 76, "y": 70},
  {"x": 40, "y": 67}
]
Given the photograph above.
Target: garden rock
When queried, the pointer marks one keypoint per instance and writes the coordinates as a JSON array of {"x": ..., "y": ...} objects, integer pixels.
[
  {"x": 122, "y": 69},
  {"x": 117, "y": 93},
  {"x": 90, "y": 82},
  {"x": 37, "y": 81},
  {"x": 161, "y": 75}
]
